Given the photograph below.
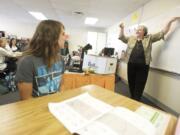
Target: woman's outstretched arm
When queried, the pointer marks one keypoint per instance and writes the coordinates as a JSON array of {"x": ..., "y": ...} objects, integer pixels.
[{"x": 168, "y": 25}]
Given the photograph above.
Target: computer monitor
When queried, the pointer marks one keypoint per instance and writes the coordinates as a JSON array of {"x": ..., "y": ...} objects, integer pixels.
[{"x": 108, "y": 51}]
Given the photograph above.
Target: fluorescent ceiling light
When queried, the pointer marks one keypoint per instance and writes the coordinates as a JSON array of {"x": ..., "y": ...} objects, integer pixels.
[
  {"x": 38, "y": 15},
  {"x": 90, "y": 20}
]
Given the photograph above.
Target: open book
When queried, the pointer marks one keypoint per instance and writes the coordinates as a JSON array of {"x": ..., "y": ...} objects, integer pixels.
[{"x": 87, "y": 115}]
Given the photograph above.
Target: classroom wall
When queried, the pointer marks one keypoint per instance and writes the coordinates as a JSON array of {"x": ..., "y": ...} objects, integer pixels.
[
  {"x": 14, "y": 27},
  {"x": 77, "y": 36},
  {"x": 162, "y": 88}
]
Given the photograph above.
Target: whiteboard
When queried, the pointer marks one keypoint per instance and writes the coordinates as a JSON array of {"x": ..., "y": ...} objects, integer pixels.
[{"x": 166, "y": 54}]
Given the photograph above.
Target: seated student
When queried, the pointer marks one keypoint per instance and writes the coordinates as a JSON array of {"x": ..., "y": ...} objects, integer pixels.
[
  {"x": 65, "y": 53},
  {"x": 5, "y": 53},
  {"x": 12, "y": 45},
  {"x": 40, "y": 70},
  {"x": 12, "y": 61}
]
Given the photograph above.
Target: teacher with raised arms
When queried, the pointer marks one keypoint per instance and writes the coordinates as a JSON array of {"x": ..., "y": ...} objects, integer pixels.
[{"x": 138, "y": 55}]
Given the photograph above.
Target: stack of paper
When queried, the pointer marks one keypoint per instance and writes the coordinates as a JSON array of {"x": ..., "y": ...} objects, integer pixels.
[{"x": 87, "y": 115}]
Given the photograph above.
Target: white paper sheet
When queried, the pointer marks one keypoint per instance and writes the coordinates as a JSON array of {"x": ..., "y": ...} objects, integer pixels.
[
  {"x": 87, "y": 115},
  {"x": 119, "y": 121},
  {"x": 77, "y": 112}
]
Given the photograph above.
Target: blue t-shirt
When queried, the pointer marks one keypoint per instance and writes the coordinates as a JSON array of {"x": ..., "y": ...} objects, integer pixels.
[{"x": 45, "y": 81}]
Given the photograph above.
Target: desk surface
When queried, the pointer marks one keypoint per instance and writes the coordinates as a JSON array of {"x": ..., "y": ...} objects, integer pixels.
[{"x": 33, "y": 117}]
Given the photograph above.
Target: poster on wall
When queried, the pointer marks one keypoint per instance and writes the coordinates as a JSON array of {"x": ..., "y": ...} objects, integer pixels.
[{"x": 135, "y": 17}]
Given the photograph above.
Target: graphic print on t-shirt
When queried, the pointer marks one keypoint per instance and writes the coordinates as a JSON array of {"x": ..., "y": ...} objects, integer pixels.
[{"x": 48, "y": 81}]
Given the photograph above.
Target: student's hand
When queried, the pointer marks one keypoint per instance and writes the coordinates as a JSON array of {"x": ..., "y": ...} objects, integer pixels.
[{"x": 121, "y": 25}]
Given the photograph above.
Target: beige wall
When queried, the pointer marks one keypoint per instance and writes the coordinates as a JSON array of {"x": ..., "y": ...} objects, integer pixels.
[
  {"x": 77, "y": 36},
  {"x": 14, "y": 27},
  {"x": 163, "y": 87}
]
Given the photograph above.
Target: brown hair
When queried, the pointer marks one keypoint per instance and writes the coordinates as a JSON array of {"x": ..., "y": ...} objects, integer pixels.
[
  {"x": 11, "y": 42},
  {"x": 44, "y": 42}
]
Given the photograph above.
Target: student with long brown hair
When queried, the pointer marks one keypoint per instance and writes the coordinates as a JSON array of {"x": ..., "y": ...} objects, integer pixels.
[{"x": 40, "y": 70}]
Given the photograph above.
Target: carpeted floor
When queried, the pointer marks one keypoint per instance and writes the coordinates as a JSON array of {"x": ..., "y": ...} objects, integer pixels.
[{"x": 123, "y": 89}]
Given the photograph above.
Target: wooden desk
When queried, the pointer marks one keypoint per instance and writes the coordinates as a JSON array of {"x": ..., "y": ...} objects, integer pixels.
[
  {"x": 33, "y": 117},
  {"x": 76, "y": 80}
]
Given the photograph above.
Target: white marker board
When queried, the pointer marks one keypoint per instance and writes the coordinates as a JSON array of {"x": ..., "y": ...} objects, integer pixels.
[{"x": 166, "y": 54}]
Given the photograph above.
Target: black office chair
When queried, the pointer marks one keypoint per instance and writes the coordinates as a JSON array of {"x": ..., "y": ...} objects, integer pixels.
[
  {"x": 3, "y": 83},
  {"x": 7, "y": 80}
]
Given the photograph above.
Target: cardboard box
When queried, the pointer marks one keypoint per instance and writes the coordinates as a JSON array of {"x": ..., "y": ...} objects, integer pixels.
[{"x": 99, "y": 64}]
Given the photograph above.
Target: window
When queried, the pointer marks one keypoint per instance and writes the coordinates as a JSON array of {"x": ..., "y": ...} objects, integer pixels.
[{"x": 97, "y": 40}]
